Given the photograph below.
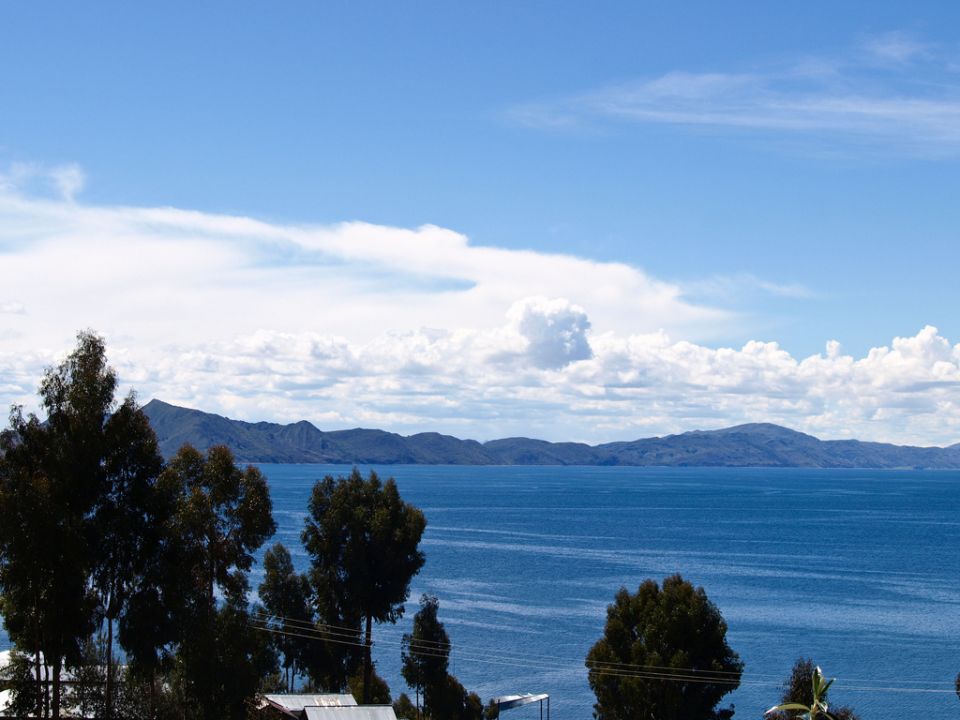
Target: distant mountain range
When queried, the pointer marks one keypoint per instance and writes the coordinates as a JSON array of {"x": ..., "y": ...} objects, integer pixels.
[{"x": 753, "y": 445}]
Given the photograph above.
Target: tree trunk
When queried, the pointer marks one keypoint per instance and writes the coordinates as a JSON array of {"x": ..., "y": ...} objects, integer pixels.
[
  {"x": 36, "y": 667},
  {"x": 108, "y": 709},
  {"x": 153, "y": 694},
  {"x": 46, "y": 688},
  {"x": 57, "y": 665},
  {"x": 367, "y": 662}
]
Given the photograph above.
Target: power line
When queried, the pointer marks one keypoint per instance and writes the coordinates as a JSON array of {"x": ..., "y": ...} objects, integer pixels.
[
  {"x": 317, "y": 629},
  {"x": 527, "y": 658},
  {"x": 519, "y": 662},
  {"x": 624, "y": 670}
]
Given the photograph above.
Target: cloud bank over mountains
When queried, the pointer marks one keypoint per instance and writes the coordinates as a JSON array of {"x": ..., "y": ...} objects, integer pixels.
[{"x": 417, "y": 329}]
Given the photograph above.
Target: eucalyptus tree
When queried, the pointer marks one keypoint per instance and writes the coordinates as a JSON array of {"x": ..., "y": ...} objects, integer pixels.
[
  {"x": 75, "y": 494},
  {"x": 29, "y": 572},
  {"x": 128, "y": 521},
  {"x": 363, "y": 540},
  {"x": 425, "y": 661},
  {"x": 425, "y": 653},
  {"x": 221, "y": 516},
  {"x": 285, "y": 595}
]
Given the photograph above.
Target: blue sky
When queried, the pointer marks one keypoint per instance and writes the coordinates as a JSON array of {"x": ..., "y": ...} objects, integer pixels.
[{"x": 766, "y": 172}]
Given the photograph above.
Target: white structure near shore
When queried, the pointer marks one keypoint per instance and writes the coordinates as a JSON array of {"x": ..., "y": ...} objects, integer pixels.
[{"x": 325, "y": 707}]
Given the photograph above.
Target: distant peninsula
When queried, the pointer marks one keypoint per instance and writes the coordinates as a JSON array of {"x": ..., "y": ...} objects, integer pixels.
[{"x": 753, "y": 445}]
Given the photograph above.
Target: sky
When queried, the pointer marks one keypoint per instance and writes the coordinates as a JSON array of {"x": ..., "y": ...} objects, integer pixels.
[{"x": 573, "y": 221}]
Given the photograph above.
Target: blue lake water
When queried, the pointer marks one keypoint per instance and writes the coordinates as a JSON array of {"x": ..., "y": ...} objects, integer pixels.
[{"x": 858, "y": 569}]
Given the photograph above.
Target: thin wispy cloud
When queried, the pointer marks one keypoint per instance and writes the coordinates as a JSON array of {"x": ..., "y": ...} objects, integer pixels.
[
  {"x": 61, "y": 181},
  {"x": 897, "y": 47},
  {"x": 732, "y": 288},
  {"x": 892, "y": 92}
]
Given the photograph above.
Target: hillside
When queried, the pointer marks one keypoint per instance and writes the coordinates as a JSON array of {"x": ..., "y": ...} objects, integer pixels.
[{"x": 752, "y": 445}]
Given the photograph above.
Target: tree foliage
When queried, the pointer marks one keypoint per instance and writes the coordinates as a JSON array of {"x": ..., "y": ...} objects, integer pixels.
[
  {"x": 25, "y": 697},
  {"x": 673, "y": 633},
  {"x": 95, "y": 536},
  {"x": 76, "y": 497},
  {"x": 363, "y": 540},
  {"x": 426, "y": 651},
  {"x": 222, "y": 515},
  {"x": 804, "y": 690},
  {"x": 425, "y": 660},
  {"x": 404, "y": 708},
  {"x": 285, "y": 595}
]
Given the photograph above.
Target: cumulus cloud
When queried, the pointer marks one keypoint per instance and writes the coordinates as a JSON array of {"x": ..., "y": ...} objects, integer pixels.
[
  {"x": 417, "y": 329},
  {"x": 555, "y": 331},
  {"x": 485, "y": 383}
]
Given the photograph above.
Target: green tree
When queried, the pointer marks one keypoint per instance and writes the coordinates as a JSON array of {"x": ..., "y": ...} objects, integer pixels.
[
  {"x": 663, "y": 655},
  {"x": 86, "y": 696},
  {"x": 148, "y": 627},
  {"x": 376, "y": 688},
  {"x": 363, "y": 542},
  {"x": 425, "y": 652},
  {"x": 425, "y": 660},
  {"x": 69, "y": 487},
  {"x": 28, "y": 570},
  {"x": 404, "y": 708},
  {"x": 805, "y": 691},
  {"x": 17, "y": 677},
  {"x": 222, "y": 516},
  {"x": 285, "y": 595},
  {"x": 127, "y": 522}
]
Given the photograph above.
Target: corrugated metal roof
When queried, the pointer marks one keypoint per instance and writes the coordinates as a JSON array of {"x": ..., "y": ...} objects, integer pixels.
[
  {"x": 359, "y": 712},
  {"x": 506, "y": 702},
  {"x": 296, "y": 703}
]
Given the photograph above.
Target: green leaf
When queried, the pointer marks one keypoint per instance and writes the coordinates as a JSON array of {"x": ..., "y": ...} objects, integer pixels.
[{"x": 787, "y": 706}]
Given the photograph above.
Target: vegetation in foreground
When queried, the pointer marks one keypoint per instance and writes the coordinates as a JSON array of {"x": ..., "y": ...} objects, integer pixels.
[{"x": 106, "y": 549}]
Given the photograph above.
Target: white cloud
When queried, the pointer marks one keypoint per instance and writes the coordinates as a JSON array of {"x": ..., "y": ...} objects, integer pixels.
[
  {"x": 894, "y": 94},
  {"x": 485, "y": 383},
  {"x": 172, "y": 277},
  {"x": 415, "y": 329},
  {"x": 555, "y": 331},
  {"x": 897, "y": 47},
  {"x": 730, "y": 287},
  {"x": 68, "y": 179},
  {"x": 64, "y": 180}
]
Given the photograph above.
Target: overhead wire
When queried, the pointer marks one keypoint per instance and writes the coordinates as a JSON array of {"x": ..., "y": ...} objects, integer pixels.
[
  {"x": 320, "y": 630},
  {"x": 352, "y": 637},
  {"x": 517, "y": 662},
  {"x": 316, "y": 632}
]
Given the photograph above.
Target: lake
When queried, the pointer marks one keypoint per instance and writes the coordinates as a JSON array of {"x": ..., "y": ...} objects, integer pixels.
[{"x": 857, "y": 569}]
